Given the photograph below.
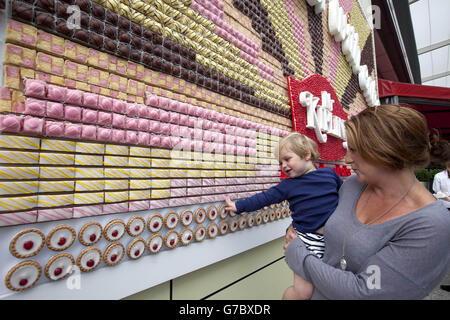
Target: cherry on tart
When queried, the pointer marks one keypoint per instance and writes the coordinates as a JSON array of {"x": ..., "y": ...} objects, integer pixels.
[
  {"x": 155, "y": 223},
  {"x": 213, "y": 230},
  {"x": 23, "y": 275},
  {"x": 114, "y": 230},
  {"x": 154, "y": 244},
  {"x": 27, "y": 243},
  {"x": 171, "y": 220},
  {"x": 272, "y": 215},
  {"x": 278, "y": 213},
  {"x": 212, "y": 213},
  {"x": 242, "y": 223},
  {"x": 222, "y": 213},
  {"x": 283, "y": 213},
  {"x": 223, "y": 227},
  {"x": 171, "y": 239},
  {"x": 232, "y": 224},
  {"x": 258, "y": 219},
  {"x": 200, "y": 215},
  {"x": 199, "y": 233},
  {"x": 114, "y": 253},
  {"x": 250, "y": 220},
  {"x": 136, "y": 249},
  {"x": 61, "y": 238},
  {"x": 186, "y": 217},
  {"x": 186, "y": 236},
  {"x": 90, "y": 233},
  {"x": 89, "y": 259},
  {"x": 59, "y": 266},
  {"x": 135, "y": 226},
  {"x": 265, "y": 217}
]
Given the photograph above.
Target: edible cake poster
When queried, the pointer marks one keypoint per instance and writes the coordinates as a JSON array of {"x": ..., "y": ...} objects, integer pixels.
[{"x": 125, "y": 124}]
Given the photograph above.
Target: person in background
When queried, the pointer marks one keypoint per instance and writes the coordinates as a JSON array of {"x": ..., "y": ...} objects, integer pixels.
[
  {"x": 388, "y": 237},
  {"x": 441, "y": 185},
  {"x": 312, "y": 194}
]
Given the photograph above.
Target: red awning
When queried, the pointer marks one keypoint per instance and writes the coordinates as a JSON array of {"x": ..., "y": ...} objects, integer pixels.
[
  {"x": 387, "y": 88},
  {"x": 432, "y": 102}
]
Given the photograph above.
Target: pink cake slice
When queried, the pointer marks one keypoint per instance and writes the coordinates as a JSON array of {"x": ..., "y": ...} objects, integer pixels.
[
  {"x": 143, "y": 138},
  {"x": 143, "y": 125},
  {"x": 174, "y": 117},
  {"x": 166, "y": 142},
  {"x": 118, "y": 136},
  {"x": 118, "y": 120},
  {"x": 104, "y": 118},
  {"x": 56, "y": 93},
  {"x": 72, "y": 113},
  {"x": 90, "y": 100},
  {"x": 143, "y": 111},
  {"x": 164, "y": 103},
  {"x": 88, "y": 132},
  {"x": 132, "y": 110},
  {"x": 131, "y": 123},
  {"x": 33, "y": 125},
  {"x": 119, "y": 106},
  {"x": 153, "y": 114},
  {"x": 154, "y": 126},
  {"x": 54, "y": 128},
  {"x": 89, "y": 116},
  {"x": 10, "y": 123},
  {"x": 183, "y": 120},
  {"x": 105, "y": 103},
  {"x": 74, "y": 96},
  {"x": 164, "y": 116},
  {"x": 165, "y": 129},
  {"x": 131, "y": 137},
  {"x": 34, "y": 107},
  {"x": 152, "y": 100},
  {"x": 155, "y": 141},
  {"x": 72, "y": 130},
  {"x": 103, "y": 134},
  {"x": 35, "y": 88},
  {"x": 54, "y": 110}
]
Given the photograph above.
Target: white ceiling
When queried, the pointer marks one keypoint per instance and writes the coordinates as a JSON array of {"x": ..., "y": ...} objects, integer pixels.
[{"x": 431, "y": 23}]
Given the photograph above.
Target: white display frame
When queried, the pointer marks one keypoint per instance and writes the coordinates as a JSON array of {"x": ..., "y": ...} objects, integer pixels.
[{"x": 130, "y": 276}]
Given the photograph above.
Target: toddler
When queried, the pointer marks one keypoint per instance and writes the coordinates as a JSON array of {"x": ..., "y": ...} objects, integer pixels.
[{"x": 312, "y": 194}]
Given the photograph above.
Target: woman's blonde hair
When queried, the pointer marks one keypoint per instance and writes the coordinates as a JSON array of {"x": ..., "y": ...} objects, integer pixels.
[
  {"x": 393, "y": 136},
  {"x": 300, "y": 144}
]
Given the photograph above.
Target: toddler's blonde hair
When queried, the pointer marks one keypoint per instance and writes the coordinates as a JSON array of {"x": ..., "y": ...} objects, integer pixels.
[{"x": 300, "y": 144}]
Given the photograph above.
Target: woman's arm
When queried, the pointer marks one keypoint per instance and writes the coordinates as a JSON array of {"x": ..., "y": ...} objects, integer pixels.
[{"x": 405, "y": 268}]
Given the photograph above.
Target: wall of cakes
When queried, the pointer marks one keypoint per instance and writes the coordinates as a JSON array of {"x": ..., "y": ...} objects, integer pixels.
[{"x": 124, "y": 124}]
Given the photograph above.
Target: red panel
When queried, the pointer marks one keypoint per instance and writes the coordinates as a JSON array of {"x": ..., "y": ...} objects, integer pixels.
[{"x": 332, "y": 149}]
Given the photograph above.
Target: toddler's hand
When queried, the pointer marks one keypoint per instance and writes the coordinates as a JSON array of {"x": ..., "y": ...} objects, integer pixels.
[
  {"x": 230, "y": 206},
  {"x": 290, "y": 235}
]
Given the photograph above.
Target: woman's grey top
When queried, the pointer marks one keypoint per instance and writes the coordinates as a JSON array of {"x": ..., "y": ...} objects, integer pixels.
[{"x": 404, "y": 258}]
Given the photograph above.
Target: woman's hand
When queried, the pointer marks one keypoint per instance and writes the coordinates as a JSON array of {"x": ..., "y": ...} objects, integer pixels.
[
  {"x": 290, "y": 235},
  {"x": 230, "y": 206}
]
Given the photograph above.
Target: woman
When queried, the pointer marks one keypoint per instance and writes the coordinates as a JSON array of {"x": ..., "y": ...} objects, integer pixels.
[{"x": 389, "y": 237}]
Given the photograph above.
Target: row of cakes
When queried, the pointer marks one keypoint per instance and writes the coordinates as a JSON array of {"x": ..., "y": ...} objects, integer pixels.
[
  {"x": 48, "y": 185},
  {"x": 237, "y": 56},
  {"x": 29, "y": 242},
  {"x": 145, "y": 75},
  {"x": 218, "y": 134}
]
